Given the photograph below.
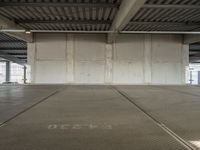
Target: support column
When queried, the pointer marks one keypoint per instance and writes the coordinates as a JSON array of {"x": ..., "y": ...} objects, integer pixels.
[
  {"x": 109, "y": 64},
  {"x": 147, "y": 58},
  {"x": 7, "y": 71},
  {"x": 70, "y": 58},
  {"x": 199, "y": 77},
  {"x": 25, "y": 75},
  {"x": 185, "y": 61},
  {"x": 31, "y": 50}
]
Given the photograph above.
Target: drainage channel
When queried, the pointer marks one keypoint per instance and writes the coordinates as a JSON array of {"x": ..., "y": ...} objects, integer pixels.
[
  {"x": 28, "y": 108},
  {"x": 157, "y": 122}
]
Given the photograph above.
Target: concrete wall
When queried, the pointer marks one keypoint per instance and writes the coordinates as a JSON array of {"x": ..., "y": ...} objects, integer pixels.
[{"x": 87, "y": 59}]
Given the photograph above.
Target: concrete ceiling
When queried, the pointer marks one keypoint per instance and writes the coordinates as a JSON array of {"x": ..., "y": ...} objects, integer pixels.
[
  {"x": 98, "y": 15},
  {"x": 94, "y": 15},
  {"x": 13, "y": 49},
  {"x": 167, "y": 15},
  {"x": 195, "y": 52}
]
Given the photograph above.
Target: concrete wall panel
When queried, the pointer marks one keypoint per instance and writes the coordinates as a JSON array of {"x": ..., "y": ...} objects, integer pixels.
[
  {"x": 89, "y": 47},
  {"x": 128, "y": 72},
  {"x": 50, "y": 72},
  {"x": 166, "y": 59},
  {"x": 166, "y": 48},
  {"x": 51, "y": 46},
  {"x": 166, "y": 73},
  {"x": 91, "y": 72},
  {"x": 128, "y": 59},
  {"x": 88, "y": 59}
]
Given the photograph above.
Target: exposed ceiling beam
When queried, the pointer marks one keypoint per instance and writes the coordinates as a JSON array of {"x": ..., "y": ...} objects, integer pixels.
[
  {"x": 11, "y": 58},
  {"x": 189, "y": 39},
  {"x": 194, "y": 50},
  {"x": 195, "y": 55},
  {"x": 195, "y": 47},
  {"x": 11, "y": 41},
  {"x": 171, "y": 6},
  {"x": 64, "y": 21},
  {"x": 127, "y": 11},
  {"x": 8, "y": 24},
  {"x": 194, "y": 59},
  {"x": 11, "y": 48},
  {"x": 166, "y": 23},
  {"x": 19, "y": 56},
  {"x": 59, "y": 4},
  {"x": 13, "y": 51}
]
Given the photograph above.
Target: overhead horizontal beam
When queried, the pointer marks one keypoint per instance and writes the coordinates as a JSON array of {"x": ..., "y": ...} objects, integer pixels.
[
  {"x": 12, "y": 58},
  {"x": 189, "y": 39},
  {"x": 64, "y": 21},
  {"x": 127, "y": 10},
  {"x": 195, "y": 47},
  {"x": 195, "y": 55},
  {"x": 161, "y": 32},
  {"x": 164, "y": 23},
  {"x": 12, "y": 41},
  {"x": 8, "y": 24},
  {"x": 11, "y": 48},
  {"x": 171, "y": 6},
  {"x": 59, "y": 4},
  {"x": 13, "y": 51},
  {"x": 194, "y": 59},
  {"x": 20, "y": 54}
]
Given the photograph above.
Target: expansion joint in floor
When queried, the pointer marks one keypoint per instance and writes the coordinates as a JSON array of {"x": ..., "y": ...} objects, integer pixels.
[{"x": 157, "y": 122}]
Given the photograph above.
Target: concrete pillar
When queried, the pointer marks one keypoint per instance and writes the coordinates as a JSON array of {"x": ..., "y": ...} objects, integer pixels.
[
  {"x": 199, "y": 77},
  {"x": 109, "y": 63},
  {"x": 185, "y": 61},
  {"x": 8, "y": 71},
  {"x": 31, "y": 50},
  {"x": 147, "y": 58},
  {"x": 25, "y": 75},
  {"x": 70, "y": 58}
]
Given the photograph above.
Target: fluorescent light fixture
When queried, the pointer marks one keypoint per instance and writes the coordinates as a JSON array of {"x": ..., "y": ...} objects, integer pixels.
[{"x": 28, "y": 32}]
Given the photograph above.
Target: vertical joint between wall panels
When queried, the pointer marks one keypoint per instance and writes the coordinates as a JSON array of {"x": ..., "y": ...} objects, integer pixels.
[
  {"x": 148, "y": 59},
  {"x": 70, "y": 58},
  {"x": 185, "y": 60},
  {"x": 109, "y": 63}
]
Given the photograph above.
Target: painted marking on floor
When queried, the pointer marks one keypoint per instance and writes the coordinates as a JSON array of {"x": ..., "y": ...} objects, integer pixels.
[
  {"x": 158, "y": 123},
  {"x": 79, "y": 126}
]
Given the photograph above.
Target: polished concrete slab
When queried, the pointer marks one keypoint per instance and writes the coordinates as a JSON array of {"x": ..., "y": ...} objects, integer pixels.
[
  {"x": 84, "y": 118},
  {"x": 177, "y": 107}
]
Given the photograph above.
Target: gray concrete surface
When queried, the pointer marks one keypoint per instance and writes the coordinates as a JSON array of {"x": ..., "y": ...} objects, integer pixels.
[
  {"x": 98, "y": 118},
  {"x": 178, "y": 107},
  {"x": 14, "y": 99}
]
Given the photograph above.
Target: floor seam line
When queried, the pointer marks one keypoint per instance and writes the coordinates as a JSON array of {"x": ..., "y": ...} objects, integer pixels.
[
  {"x": 177, "y": 91},
  {"x": 158, "y": 123},
  {"x": 28, "y": 108}
]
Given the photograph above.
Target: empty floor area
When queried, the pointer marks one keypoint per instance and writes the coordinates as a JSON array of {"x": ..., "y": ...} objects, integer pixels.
[{"x": 80, "y": 117}]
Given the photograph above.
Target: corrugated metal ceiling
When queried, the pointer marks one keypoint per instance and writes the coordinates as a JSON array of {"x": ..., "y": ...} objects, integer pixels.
[
  {"x": 94, "y": 15},
  {"x": 13, "y": 48},
  {"x": 167, "y": 15},
  {"x": 61, "y": 14}
]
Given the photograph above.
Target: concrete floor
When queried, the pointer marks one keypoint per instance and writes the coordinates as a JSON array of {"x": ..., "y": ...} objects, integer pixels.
[{"x": 57, "y": 117}]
